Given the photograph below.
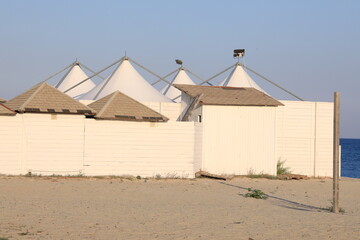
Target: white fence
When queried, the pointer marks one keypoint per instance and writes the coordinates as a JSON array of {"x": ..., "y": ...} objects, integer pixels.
[
  {"x": 230, "y": 140},
  {"x": 305, "y": 137},
  {"x": 70, "y": 144},
  {"x": 239, "y": 140}
]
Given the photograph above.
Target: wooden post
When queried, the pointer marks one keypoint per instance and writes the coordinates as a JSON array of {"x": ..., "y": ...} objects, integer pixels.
[{"x": 336, "y": 152}]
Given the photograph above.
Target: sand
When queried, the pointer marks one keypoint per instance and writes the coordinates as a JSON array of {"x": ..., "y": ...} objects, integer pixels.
[{"x": 91, "y": 208}]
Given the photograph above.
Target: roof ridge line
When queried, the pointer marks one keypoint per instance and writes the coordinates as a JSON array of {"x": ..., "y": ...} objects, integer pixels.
[
  {"x": 7, "y": 108},
  {"x": 22, "y": 107},
  {"x": 107, "y": 103}
]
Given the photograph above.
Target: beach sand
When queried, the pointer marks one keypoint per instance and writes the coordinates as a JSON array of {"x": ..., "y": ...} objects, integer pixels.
[{"x": 94, "y": 208}]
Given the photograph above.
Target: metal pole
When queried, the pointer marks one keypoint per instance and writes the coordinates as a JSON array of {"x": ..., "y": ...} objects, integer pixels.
[
  {"x": 277, "y": 85},
  {"x": 148, "y": 70},
  {"x": 217, "y": 74},
  {"x": 72, "y": 64},
  {"x": 336, "y": 152},
  {"x": 164, "y": 77},
  {"x": 95, "y": 74},
  {"x": 91, "y": 71},
  {"x": 202, "y": 80}
]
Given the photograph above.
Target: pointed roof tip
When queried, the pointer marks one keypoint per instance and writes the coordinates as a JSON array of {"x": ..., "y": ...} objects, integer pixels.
[
  {"x": 74, "y": 76},
  {"x": 44, "y": 98},
  {"x": 180, "y": 78},
  {"x": 118, "y": 106},
  {"x": 129, "y": 81},
  {"x": 240, "y": 78}
]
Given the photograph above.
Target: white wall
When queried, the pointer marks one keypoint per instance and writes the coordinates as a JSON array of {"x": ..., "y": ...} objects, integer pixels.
[
  {"x": 49, "y": 144},
  {"x": 11, "y": 139},
  {"x": 239, "y": 140},
  {"x": 169, "y": 110},
  {"x": 198, "y": 150},
  {"x": 53, "y": 143},
  {"x": 305, "y": 137},
  {"x": 230, "y": 140},
  {"x": 139, "y": 148}
]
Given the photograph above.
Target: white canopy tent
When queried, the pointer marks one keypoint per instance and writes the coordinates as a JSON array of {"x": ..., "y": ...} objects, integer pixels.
[
  {"x": 239, "y": 78},
  {"x": 180, "y": 78},
  {"x": 73, "y": 77},
  {"x": 127, "y": 80}
]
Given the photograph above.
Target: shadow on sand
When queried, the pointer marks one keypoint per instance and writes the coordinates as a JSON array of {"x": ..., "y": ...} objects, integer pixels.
[{"x": 284, "y": 202}]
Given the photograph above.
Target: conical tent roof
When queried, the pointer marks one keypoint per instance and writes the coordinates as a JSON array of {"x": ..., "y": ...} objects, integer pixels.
[
  {"x": 180, "y": 78},
  {"x": 74, "y": 76},
  {"x": 239, "y": 78},
  {"x": 127, "y": 80},
  {"x": 43, "y": 98}
]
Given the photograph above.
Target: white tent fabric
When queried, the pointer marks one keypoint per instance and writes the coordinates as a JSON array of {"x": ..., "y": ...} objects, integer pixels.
[
  {"x": 239, "y": 78},
  {"x": 180, "y": 78},
  {"x": 127, "y": 80},
  {"x": 73, "y": 77}
]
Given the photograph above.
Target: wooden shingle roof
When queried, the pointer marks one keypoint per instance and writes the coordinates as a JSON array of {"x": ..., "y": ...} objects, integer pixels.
[
  {"x": 6, "y": 111},
  {"x": 213, "y": 95},
  {"x": 43, "y": 98},
  {"x": 118, "y": 106}
]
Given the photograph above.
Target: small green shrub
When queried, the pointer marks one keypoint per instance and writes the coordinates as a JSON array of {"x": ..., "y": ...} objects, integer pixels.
[
  {"x": 256, "y": 193},
  {"x": 138, "y": 177},
  {"x": 280, "y": 169},
  {"x": 2, "y": 238}
]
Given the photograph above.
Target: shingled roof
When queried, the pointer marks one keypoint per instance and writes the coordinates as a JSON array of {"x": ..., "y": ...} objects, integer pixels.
[
  {"x": 6, "y": 111},
  {"x": 213, "y": 95},
  {"x": 43, "y": 98},
  {"x": 118, "y": 106},
  {"x": 2, "y": 100}
]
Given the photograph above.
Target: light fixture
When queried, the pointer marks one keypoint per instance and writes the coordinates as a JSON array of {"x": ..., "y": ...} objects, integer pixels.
[
  {"x": 239, "y": 53},
  {"x": 178, "y": 61}
]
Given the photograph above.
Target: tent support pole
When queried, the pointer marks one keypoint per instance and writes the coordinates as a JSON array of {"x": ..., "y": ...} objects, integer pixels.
[
  {"x": 164, "y": 77},
  {"x": 217, "y": 74},
  {"x": 276, "y": 85},
  {"x": 91, "y": 70},
  {"x": 203, "y": 80},
  {"x": 148, "y": 70},
  {"x": 95, "y": 74},
  {"x": 72, "y": 64}
]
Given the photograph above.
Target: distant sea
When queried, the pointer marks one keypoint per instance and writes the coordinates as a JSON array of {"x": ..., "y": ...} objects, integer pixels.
[{"x": 350, "y": 157}]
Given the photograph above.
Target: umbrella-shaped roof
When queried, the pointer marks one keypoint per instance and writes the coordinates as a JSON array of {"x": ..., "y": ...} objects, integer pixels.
[
  {"x": 239, "y": 78},
  {"x": 180, "y": 78},
  {"x": 127, "y": 80},
  {"x": 74, "y": 76}
]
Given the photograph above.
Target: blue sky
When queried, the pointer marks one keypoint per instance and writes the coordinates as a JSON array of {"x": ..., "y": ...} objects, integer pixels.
[{"x": 309, "y": 47}]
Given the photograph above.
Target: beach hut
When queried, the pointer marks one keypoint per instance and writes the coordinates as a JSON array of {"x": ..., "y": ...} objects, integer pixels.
[
  {"x": 74, "y": 76},
  {"x": 180, "y": 78},
  {"x": 238, "y": 128},
  {"x": 239, "y": 78},
  {"x": 49, "y": 130},
  {"x": 127, "y": 80},
  {"x": 118, "y": 106}
]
